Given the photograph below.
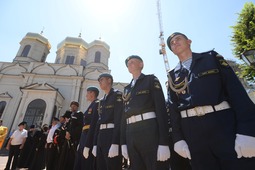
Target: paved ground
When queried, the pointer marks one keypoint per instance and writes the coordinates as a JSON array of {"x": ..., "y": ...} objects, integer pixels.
[{"x": 3, "y": 158}]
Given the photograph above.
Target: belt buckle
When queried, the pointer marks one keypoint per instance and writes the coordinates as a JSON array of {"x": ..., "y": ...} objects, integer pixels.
[
  {"x": 133, "y": 119},
  {"x": 138, "y": 118},
  {"x": 199, "y": 111}
]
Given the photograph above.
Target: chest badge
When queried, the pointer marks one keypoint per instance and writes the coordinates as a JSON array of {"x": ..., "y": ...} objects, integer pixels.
[{"x": 177, "y": 78}]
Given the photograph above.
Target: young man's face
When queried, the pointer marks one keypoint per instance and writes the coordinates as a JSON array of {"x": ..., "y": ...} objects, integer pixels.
[
  {"x": 104, "y": 82},
  {"x": 134, "y": 65},
  {"x": 74, "y": 108},
  {"x": 179, "y": 44},
  {"x": 21, "y": 127},
  {"x": 90, "y": 95}
]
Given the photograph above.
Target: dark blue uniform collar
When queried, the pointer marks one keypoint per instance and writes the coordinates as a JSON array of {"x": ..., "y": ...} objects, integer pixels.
[
  {"x": 140, "y": 77},
  {"x": 110, "y": 92},
  {"x": 195, "y": 58}
]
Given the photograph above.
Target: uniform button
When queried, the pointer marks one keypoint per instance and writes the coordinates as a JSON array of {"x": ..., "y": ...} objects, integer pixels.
[{"x": 184, "y": 91}]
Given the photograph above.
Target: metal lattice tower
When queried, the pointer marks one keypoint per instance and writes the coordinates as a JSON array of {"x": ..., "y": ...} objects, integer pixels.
[{"x": 162, "y": 51}]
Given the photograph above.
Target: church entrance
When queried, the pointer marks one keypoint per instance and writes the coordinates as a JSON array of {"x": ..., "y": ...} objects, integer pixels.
[{"x": 35, "y": 112}]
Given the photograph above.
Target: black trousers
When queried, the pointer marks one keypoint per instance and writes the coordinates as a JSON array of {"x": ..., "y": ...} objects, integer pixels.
[
  {"x": 80, "y": 162},
  {"x": 142, "y": 143},
  {"x": 13, "y": 154},
  {"x": 179, "y": 163},
  {"x": 51, "y": 156},
  {"x": 104, "y": 143},
  {"x": 211, "y": 141}
]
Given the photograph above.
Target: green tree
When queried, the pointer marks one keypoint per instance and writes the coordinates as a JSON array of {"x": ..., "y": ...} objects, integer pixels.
[{"x": 244, "y": 38}]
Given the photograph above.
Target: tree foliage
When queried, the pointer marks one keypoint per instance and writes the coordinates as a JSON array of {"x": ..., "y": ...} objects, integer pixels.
[{"x": 244, "y": 38}]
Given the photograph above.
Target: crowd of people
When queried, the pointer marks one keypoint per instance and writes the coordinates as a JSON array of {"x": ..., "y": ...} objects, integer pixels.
[{"x": 207, "y": 122}]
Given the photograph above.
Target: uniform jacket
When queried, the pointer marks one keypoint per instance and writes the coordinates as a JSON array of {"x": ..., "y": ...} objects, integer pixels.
[
  {"x": 75, "y": 126},
  {"x": 110, "y": 111},
  {"x": 91, "y": 118},
  {"x": 146, "y": 96},
  {"x": 210, "y": 81}
]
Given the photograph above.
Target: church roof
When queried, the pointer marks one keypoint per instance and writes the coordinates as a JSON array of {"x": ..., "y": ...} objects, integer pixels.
[
  {"x": 78, "y": 41},
  {"x": 99, "y": 42},
  {"x": 73, "y": 41},
  {"x": 38, "y": 37}
]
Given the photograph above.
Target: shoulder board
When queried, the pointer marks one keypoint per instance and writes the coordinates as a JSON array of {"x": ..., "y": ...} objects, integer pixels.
[
  {"x": 213, "y": 53},
  {"x": 150, "y": 75},
  {"x": 218, "y": 57},
  {"x": 210, "y": 52},
  {"x": 97, "y": 101}
]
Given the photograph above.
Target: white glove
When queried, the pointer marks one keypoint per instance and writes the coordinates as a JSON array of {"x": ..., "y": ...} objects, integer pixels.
[
  {"x": 163, "y": 153},
  {"x": 245, "y": 146},
  {"x": 124, "y": 151},
  {"x": 86, "y": 152},
  {"x": 113, "y": 151},
  {"x": 94, "y": 151},
  {"x": 182, "y": 149}
]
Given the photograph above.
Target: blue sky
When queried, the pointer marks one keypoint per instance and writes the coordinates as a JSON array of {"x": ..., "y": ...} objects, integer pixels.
[{"x": 128, "y": 26}]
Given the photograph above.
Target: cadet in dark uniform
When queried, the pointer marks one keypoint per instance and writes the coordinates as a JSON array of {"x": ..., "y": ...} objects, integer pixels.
[
  {"x": 107, "y": 144},
  {"x": 144, "y": 131},
  {"x": 75, "y": 124},
  {"x": 38, "y": 156},
  {"x": 60, "y": 132},
  {"x": 80, "y": 162},
  {"x": 213, "y": 118},
  {"x": 72, "y": 138}
]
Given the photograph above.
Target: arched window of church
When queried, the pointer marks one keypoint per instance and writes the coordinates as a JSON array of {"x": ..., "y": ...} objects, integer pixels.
[
  {"x": 58, "y": 60},
  {"x": 25, "y": 51},
  {"x": 35, "y": 112},
  {"x": 2, "y": 107},
  {"x": 83, "y": 63},
  {"x": 43, "y": 57},
  {"x": 69, "y": 59},
  {"x": 97, "y": 57}
]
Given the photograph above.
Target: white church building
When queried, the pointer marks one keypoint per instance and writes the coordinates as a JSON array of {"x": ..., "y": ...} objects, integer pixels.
[{"x": 34, "y": 91}]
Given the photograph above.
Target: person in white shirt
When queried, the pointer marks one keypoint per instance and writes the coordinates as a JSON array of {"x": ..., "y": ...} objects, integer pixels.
[
  {"x": 15, "y": 144},
  {"x": 51, "y": 147}
]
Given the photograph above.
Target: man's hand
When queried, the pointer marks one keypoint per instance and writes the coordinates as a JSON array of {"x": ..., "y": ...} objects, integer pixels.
[
  {"x": 21, "y": 146},
  {"x": 245, "y": 146},
  {"x": 113, "y": 151},
  {"x": 86, "y": 152},
  {"x": 124, "y": 151},
  {"x": 163, "y": 153},
  {"x": 182, "y": 149},
  {"x": 94, "y": 151},
  {"x": 68, "y": 136}
]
